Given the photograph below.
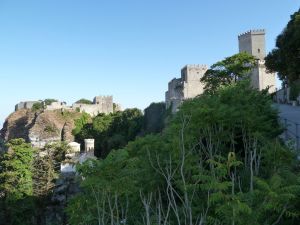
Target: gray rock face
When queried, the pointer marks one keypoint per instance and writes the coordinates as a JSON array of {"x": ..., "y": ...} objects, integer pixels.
[{"x": 39, "y": 128}]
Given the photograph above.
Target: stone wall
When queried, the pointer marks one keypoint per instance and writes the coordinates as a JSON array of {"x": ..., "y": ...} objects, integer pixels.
[
  {"x": 25, "y": 105},
  {"x": 57, "y": 106},
  {"x": 188, "y": 86},
  {"x": 101, "y": 104},
  {"x": 261, "y": 78},
  {"x": 253, "y": 42}
]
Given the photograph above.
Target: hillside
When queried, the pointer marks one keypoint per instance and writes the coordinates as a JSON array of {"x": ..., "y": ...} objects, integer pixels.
[{"x": 39, "y": 127}]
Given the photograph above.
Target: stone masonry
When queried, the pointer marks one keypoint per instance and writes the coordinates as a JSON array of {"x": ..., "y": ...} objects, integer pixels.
[
  {"x": 101, "y": 104},
  {"x": 188, "y": 86},
  {"x": 253, "y": 42}
]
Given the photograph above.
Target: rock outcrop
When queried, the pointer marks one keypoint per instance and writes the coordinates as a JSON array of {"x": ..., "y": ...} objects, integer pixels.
[{"x": 39, "y": 127}]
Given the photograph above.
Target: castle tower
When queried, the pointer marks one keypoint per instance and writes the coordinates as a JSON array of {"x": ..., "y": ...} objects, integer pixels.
[
  {"x": 89, "y": 145},
  {"x": 253, "y": 42},
  {"x": 188, "y": 86},
  {"x": 190, "y": 76}
]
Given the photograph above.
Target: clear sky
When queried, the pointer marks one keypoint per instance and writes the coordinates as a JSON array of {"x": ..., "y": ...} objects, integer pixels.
[{"x": 72, "y": 49}]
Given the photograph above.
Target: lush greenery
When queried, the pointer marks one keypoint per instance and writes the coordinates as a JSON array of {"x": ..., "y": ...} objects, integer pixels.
[
  {"x": 16, "y": 183},
  {"x": 227, "y": 71},
  {"x": 84, "y": 101},
  {"x": 218, "y": 161},
  {"x": 155, "y": 118},
  {"x": 110, "y": 131},
  {"x": 294, "y": 90},
  {"x": 49, "y": 101},
  {"x": 115, "y": 130},
  {"x": 37, "y": 106},
  {"x": 284, "y": 59},
  {"x": 26, "y": 181}
]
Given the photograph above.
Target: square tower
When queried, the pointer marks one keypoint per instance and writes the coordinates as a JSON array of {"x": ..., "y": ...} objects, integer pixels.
[
  {"x": 253, "y": 42},
  {"x": 190, "y": 77}
]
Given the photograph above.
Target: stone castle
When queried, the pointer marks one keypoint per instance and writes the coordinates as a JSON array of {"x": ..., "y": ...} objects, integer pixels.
[
  {"x": 253, "y": 42},
  {"x": 101, "y": 104},
  {"x": 189, "y": 85},
  {"x": 185, "y": 87}
]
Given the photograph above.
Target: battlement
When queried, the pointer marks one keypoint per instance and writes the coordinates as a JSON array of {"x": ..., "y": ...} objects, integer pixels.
[
  {"x": 103, "y": 98},
  {"x": 252, "y": 32},
  {"x": 196, "y": 66}
]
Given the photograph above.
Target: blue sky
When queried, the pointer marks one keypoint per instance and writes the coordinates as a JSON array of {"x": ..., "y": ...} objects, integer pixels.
[{"x": 72, "y": 49}]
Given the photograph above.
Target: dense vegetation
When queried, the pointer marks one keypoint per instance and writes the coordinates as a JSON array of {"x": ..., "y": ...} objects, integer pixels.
[
  {"x": 218, "y": 161},
  {"x": 284, "y": 59},
  {"x": 229, "y": 70},
  {"x": 26, "y": 181},
  {"x": 114, "y": 131},
  {"x": 84, "y": 101}
]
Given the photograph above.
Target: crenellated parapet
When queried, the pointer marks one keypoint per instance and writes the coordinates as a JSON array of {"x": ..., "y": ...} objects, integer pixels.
[
  {"x": 186, "y": 87},
  {"x": 252, "y": 32}
]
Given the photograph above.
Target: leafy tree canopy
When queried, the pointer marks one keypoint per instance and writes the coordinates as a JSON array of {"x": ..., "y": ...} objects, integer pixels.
[
  {"x": 218, "y": 161},
  {"x": 228, "y": 71},
  {"x": 48, "y": 101},
  {"x": 285, "y": 58},
  {"x": 84, "y": 101}
]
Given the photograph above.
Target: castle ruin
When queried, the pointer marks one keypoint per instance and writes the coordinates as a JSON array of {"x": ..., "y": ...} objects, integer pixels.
[
  {"x": 25, "y": 105},
  {"x": 101, "y": 104}
]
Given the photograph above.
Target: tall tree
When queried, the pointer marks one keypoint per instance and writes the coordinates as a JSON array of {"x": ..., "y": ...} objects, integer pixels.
[
  {"x": 227, "y": 71},
  {"x": 285, "y": 57},
  {"x": 16, "y": 184}
]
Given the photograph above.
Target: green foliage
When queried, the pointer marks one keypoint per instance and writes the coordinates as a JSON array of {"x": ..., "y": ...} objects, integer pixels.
[
  {"x": 294, "y": 91},
  {"x": 228, "y": 71},
  {"x": 218, "y": 161},
  {"x": 111, "y": 131},
  {"x": 154, "y": 118},
  {"x": 84, "y": 101},
  {"x": 50, "y": 129},
  {"x": 16, "y": 185},
  {"x": 49, "y": 101},
  {"x": 80, "y": 122},
  {"x": 37, "y": 106},
  {"x": 284, "y": 59}
]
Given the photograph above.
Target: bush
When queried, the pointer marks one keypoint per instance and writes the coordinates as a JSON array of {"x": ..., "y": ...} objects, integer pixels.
[
  {"x": 219, "y": 155},
  {"x": 294, "y": 91},
  {"x": 37, "y": 106},
  {"x": 84, "y": 101},
  {"x": 49, "y": 101}
]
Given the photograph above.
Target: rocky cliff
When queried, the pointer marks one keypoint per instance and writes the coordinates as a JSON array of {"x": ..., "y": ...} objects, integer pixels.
[{"x": 39, "y": 127}]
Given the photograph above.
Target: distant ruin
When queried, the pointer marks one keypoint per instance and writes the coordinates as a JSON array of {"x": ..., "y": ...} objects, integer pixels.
[{"x": 101, "y": 104}]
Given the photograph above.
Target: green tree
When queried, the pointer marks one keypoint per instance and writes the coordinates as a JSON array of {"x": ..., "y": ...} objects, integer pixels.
[
  {"x": 37, "y": 106},
  {"x": 16, "y": 184},
  {"x": 84, "y": 101},
  {"x": 48, "y": 101},
  {"x": 84, "y": 119},
  {"x": 228, "y": 71},
  {"x": 284, "y": 58},
  {"x": 154, "y": 118},
  {"x": 218, "y": 161}
]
